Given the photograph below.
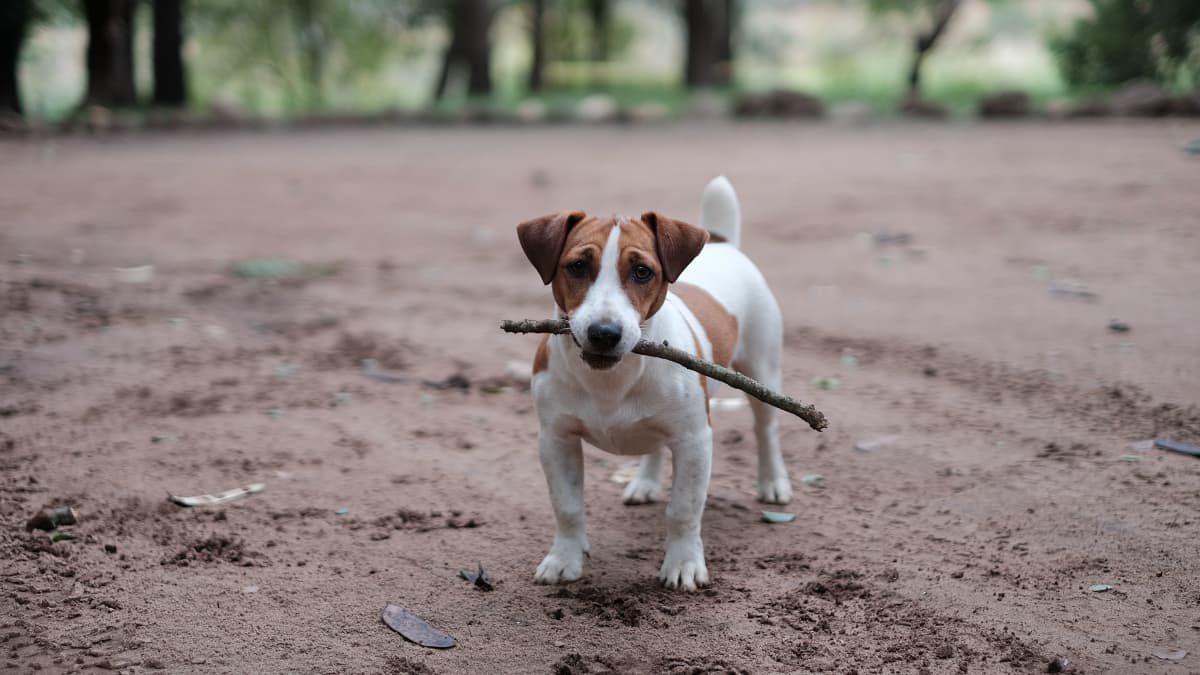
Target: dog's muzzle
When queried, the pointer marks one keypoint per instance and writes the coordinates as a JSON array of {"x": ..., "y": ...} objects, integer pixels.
[{"x": 601, "y": 339}]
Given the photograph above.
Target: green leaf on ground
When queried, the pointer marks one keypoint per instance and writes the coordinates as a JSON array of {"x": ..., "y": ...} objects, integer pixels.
[{"x": 776, "y": 517}]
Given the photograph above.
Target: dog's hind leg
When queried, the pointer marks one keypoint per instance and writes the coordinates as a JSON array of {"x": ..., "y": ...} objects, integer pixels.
[
  {"x": 646, "y": 486},
  {"x": 774, "y": 486}
]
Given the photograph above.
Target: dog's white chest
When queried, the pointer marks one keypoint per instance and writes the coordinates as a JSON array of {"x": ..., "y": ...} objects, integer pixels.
[{"x": 638, "y": 437}]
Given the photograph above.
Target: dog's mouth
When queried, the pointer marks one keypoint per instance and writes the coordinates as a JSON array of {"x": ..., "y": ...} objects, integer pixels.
[{"x": 599, "y": 361}]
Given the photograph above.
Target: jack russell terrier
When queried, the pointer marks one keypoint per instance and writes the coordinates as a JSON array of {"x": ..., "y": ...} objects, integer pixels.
[{"x": 618, "y": 280}]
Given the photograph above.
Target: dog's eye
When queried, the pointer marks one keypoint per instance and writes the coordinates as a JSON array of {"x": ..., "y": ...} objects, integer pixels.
[
  {"x": 642, "y": 274},
  {"x": 578, "y": 269}
]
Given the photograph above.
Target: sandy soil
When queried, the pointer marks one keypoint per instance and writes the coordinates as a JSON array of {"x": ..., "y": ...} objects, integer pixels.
[{"x": 968, "y": 544}]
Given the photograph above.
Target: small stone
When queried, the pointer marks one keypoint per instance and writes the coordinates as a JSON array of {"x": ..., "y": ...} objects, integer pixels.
[
  {"x": 110, "y": 548},
  {"x": 945, "y": 651},
  {"x": 1056, "y": 665}
]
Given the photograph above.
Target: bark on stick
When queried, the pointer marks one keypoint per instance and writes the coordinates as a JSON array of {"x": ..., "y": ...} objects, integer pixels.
[{"x": 815, "y": 418}]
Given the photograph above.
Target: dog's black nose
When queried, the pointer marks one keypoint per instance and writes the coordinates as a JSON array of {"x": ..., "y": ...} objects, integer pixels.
[{"x": 604, "y": 336}]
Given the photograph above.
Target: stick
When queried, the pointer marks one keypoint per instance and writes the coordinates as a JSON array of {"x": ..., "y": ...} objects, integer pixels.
[{"x": 808, "y": 413}]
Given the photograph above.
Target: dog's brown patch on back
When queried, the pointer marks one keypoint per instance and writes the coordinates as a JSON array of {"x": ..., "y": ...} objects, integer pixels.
[
  {"x": 541, "y": 358},
  {"x": 585, "y": 242},
  {"x": 720, "y": 326},
  {"x": 638, "y": 247}
]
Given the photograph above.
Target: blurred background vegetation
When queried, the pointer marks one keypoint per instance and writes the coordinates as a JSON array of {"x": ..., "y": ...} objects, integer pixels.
[{"x": 534, "y": 59}]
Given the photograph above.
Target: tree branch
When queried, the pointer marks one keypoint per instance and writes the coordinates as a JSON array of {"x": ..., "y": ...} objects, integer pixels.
[{"x": 808, "y": 413}]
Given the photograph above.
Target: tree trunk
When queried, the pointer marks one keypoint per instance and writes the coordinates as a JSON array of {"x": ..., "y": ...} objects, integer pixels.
[
  {"x": 311, "y": 38},
  {"x": 700, "y": 67},
  {"x": 449, "y": 59},
  {"x": 726, "y": 25},
  {"x": 601, "y": 11},
  {"x": 537, "y": 35},
  {"x": 14, "y": 20},
  {"x": 110, "y": 52},
  {"x": 470, "y": 21},
  {"x": 478, "y": 47},
  {"x": 925, "y": 42},
  {"x": 170, "y": 79}
]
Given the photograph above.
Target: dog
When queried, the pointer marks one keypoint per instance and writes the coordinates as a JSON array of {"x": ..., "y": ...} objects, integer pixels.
[{"x": 619, "y": 280}]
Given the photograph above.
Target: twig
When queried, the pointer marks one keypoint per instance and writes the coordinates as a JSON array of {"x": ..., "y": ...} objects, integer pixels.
[{"x": 808, "y": 413}]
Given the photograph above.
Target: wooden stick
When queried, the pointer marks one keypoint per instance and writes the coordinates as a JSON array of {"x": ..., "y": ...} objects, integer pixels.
[{"x": 808, "y": 413}]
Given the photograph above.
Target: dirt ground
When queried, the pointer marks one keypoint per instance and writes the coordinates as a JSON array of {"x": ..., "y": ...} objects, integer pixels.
[{"x": 957, "y": 281}]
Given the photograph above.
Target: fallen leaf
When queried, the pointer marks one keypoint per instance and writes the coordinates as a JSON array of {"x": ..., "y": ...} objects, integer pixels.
[
  {"x": 282, "y": 268},
  {"x": 134, "y": 275},
  {"x": 776, "y": 517},
  {"x": 415, "y": 629},
  {"x": 479, "y": 579},
  {"x": 879, "y": 442},
  {"x": 220, "y": 498},
  {"x": 1170, "y": 654},
  {"x": 826, "y": 383},
  {"x": 48, "y": 519},
  {"x": 456, "y": 381},
  {"x": 372, "y": 371},
  {"x": 1099, "y": 588},
  {"x": 1177, "y": 446},
  {"x": 62, "y": 536},
  {"x": 812, "y": 479}
]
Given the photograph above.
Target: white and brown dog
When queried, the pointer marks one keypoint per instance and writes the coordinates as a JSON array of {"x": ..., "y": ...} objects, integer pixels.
[{"x": 619, "y": 280}]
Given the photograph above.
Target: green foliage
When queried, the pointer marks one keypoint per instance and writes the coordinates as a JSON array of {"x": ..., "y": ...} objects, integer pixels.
[
  {"x": 300, "y": 46},
  {"x": 56, "y": 12},
  {"x": 1130, "y": 39}
]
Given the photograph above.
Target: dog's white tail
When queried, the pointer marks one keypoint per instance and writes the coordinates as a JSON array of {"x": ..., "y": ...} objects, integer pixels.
[{"x": 720, "y": 213}]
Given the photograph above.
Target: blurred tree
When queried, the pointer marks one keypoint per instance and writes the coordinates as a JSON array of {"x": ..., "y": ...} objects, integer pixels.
[
  {"x": 109, "y": 56},
  {"x": 726, "y": 28},
  {"x": 1129, "y": 39},
  {"x": 601, "y": 15},
  {"x": 170, "y": 79},
  {"x": 469, "y": 21},
  {"x": 302, "y": 45},
  {"x": 14, "y": 21},
  {"x": 710, "y": 27},
  {"x": 537, "y": 36},
  {"x": 937, "y": 15},
  {"x": 311, "y": 39}
]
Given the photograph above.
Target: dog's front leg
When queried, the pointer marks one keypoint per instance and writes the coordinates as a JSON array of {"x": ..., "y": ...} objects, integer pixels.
[
  {"x": 683, "y": 566},
  {"x": 562, "y": 462}
]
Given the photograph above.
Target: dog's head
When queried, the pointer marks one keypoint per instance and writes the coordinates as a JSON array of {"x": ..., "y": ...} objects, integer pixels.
[{"x": 609, "y": 275}]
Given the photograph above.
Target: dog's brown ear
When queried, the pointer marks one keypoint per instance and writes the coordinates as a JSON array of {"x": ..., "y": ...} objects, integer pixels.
[
  {"x": 543, "y": 238},
  {"x": 677, "y": 242}
]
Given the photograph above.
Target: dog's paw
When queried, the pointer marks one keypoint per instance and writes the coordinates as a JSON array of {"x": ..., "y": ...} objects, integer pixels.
[
  {"x": 562, "y": 564},
  {"x": 775, "y": 491},
  {"x": 684, "y": 567},
  {"x": 642, "y": 491}
]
